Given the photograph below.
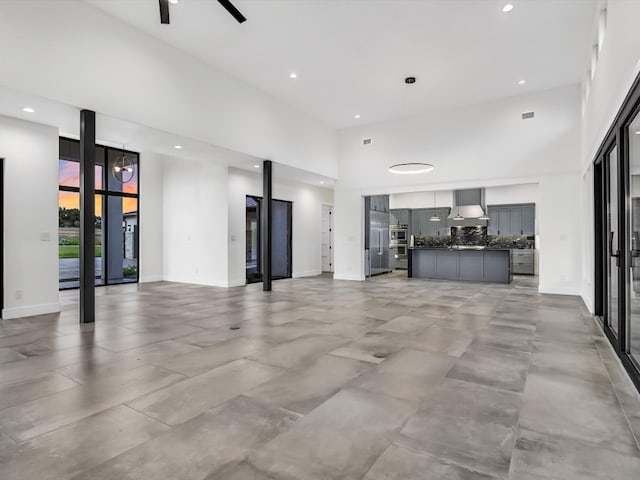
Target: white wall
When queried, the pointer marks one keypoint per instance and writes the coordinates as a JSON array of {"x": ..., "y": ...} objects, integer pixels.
[
  {"x": 94, "y": 61},
  {"x": 31, "y": 217},
  {"x": 559, "y": 220},
  {"x": 194, "y": 220},
  {"x": 421, "y": 199},
  {"x": 508, "y": 194},
  {"x": 306, "y": 221},
  {"x": 151, "y": 217},
  {"x": 617, "y": 67},
  {"x": 480, "y": 145}
]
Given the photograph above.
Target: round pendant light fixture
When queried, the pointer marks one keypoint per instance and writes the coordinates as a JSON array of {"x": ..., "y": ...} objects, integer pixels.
[
  {"x": 458, "y": 217},
  {"x": 434, "y": 217},
  {"x": 410, "y": 168},
  {"x": 123, "y": 169}
]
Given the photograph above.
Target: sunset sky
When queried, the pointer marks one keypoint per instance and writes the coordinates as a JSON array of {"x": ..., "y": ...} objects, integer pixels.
[{"x": 70, "y": 176}]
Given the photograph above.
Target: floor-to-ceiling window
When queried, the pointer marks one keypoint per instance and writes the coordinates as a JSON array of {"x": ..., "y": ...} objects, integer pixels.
[
  {"x": 280, "y": 244},
  {"x": 116, "y": 215},
  {"x": 617, "y": 227}
]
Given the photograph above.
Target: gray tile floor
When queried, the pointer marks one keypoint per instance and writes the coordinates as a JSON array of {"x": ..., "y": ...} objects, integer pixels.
[{"x": 320, "y": 379}]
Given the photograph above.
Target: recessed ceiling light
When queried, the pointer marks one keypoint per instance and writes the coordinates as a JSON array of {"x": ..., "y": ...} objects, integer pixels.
[
  {"x": 508, "y": 7},
  {"x": 293, "y": 75},
  {"x": 410, "y": 168},
  {"x": 28, "y": 110},
  {"x": 321, "y": 182},
  {"x": 356, "y": 116},
  {"x": 256, "y": 166},
  {"x": 638, "y": 132},
  {"x": 174, "y": 1},
  {"x": 522, "y": 82},
  {"x": 177, "y": 147}
]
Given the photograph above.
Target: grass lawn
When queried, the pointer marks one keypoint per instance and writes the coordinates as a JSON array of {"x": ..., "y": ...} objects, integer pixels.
[{"x": 73, "y": 251}]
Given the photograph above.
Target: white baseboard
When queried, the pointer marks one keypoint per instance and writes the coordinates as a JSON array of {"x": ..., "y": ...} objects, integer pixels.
[
  {"x": 560, "y": 290},
  {"x": 240, "y": 282},
  {"x": 308, "y": 273},
  {"x": 30, "y": 310},
  {"x": 354, "y": 278},
  {"x": 151, "y": 278},
  {"x": 205, "y": 282}
]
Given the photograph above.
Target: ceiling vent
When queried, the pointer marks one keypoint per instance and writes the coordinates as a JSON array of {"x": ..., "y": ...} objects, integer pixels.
[
  {"x": 528, "y": 115},
  {"x": 366, "y": 141}
]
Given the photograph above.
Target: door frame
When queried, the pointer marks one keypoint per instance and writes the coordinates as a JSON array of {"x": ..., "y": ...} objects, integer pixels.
[
  {"x": 259, "y": 199},
  {"x": 330, "y": 232},
  {"x": 618, "y": 136}
]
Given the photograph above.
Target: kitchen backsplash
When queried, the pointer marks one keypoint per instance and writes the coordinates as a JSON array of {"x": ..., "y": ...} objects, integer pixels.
[
  {"x": 510, "y": 241},
  {"x": 470, "y": 236},
  {"x": 432, "y": 240},
  {"x": 492, "y": 241}
]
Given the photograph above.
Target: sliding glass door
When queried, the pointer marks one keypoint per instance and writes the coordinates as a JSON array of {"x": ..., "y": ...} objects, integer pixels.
[
  {"x": 612, "y": 317},
  {"x": 617, "y": 227},
  {"x": 632, "y": 131}
]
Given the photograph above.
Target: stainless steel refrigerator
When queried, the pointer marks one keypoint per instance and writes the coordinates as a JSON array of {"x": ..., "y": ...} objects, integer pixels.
[{"x": 378, "y": 242}]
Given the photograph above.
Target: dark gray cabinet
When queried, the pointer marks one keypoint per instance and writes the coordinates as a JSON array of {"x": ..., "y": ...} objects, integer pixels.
[
  {"x": 476, "y": 265},
  {"x": 421, "y": 223},
  {"x": 379, "y": 203},
  {"x": 518, "y": 219},
  {"x": 504, "y": 221},
  {"x": 493, "y": 222},
  {"x": 523, "y": 262},
  {"x": 399, "y": 217},
  {"x": 528, "y": 219}
]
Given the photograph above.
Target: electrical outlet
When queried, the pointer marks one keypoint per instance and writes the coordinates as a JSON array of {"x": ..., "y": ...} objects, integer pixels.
[{"x": 19, "y": 294}]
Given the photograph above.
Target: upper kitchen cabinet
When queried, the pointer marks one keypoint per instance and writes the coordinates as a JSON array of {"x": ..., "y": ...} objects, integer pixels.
[
  {"x": 379, "y": 203},
  {"x": 399, "y": 217},
  {"x": 512, "y": 219},
  {"x": 421, "y": 223},
  {"x": 493, "y": 222},
  {"x": 529, "y": 219}
]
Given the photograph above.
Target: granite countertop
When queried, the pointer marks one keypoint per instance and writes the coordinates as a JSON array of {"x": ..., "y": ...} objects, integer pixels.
[{"x": 453, "y": 249}]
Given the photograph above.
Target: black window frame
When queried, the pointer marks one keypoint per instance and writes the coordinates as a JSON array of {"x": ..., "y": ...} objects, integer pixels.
[{"x": 106, "y": 193}]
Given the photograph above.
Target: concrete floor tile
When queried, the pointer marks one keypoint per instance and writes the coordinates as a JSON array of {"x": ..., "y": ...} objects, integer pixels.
[
  {"x": 189, "y": 398},
  {"x": 304, "y": 389},
  {"x": 499, "y": 368},
  {"x": 398, "y": 463},
  {"x": 340, "y": 439},
  {"x": 200, "y": 447},
  {"x": 82, "y": 445}
]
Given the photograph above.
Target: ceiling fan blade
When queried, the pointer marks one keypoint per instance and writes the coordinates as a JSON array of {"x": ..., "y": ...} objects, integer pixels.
[
  {"x": 235, "y": 13},
  {"x": 164, "y": 11}
]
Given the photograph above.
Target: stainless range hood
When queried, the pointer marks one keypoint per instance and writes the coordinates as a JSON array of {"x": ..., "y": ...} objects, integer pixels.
[{"x": 468, "y": 204}]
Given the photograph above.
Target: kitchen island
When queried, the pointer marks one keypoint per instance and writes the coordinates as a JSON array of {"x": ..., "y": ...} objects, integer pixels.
[{"x": 478, "y": 265}]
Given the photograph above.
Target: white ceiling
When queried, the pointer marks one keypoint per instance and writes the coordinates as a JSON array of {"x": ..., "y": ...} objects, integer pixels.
[
  {"x": 139, "y": 138},
  {"x": 351, "y": 56}
]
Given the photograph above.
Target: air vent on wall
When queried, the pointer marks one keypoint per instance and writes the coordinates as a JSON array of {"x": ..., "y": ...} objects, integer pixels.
[
  {"x": 366, "y": 141},
  {"x": 528, "y": 115}
]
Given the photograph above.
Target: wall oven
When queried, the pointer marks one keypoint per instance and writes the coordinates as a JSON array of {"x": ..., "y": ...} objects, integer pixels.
[
  {"x": 398, "y": 234},
  {"x": 401, "y": 251}
]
